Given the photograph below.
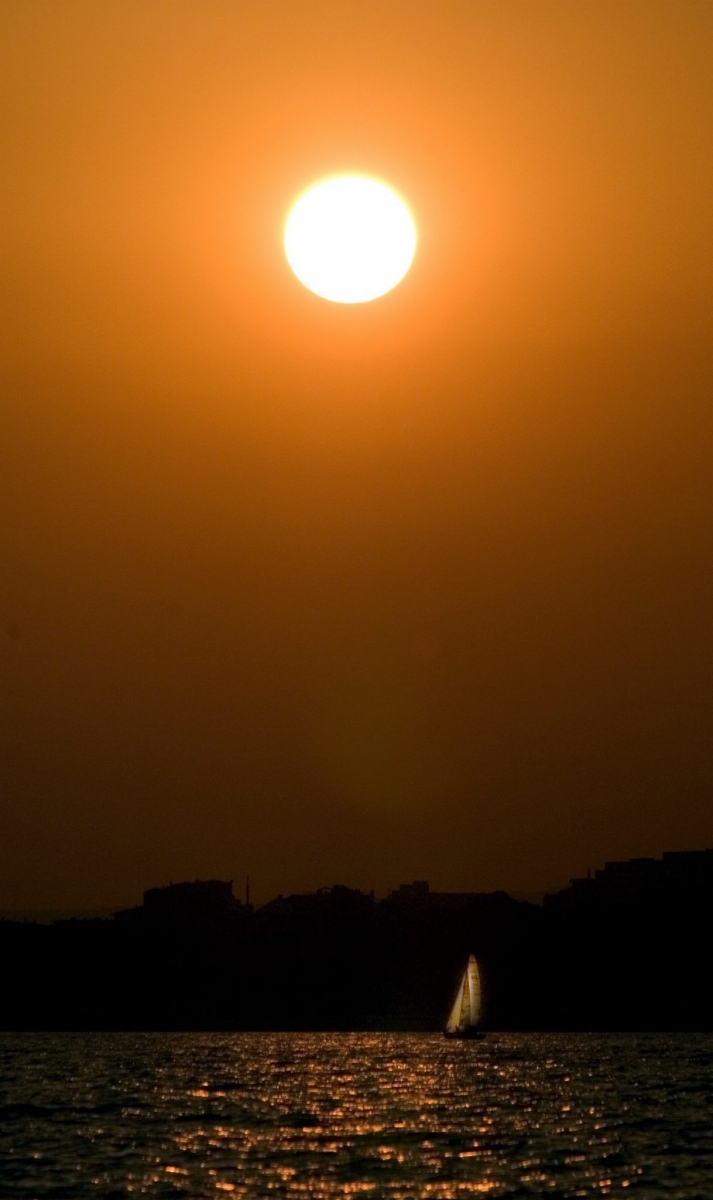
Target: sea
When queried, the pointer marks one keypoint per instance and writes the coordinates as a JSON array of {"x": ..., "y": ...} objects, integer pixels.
[{"x": 338, "y": 1115}]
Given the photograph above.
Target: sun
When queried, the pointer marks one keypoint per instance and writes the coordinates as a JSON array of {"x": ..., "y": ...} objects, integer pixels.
[{"x": 350, "y": 239}]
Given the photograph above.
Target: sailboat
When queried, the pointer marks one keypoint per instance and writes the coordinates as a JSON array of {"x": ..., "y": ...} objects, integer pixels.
[{"x": 467, "y": 1011}]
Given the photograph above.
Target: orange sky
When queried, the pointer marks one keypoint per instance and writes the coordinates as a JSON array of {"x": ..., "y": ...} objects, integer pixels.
[{"x": 419, "y": 588}]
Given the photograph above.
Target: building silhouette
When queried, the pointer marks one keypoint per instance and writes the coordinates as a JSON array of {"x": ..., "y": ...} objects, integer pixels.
[{"x": 625, "y": 948}]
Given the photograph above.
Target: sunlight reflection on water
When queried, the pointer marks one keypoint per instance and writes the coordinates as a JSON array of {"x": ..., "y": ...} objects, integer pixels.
[{"x": 328, "y": 1115}]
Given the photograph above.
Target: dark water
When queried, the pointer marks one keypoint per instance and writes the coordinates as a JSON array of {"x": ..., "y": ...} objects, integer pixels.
[{"x": 327, "y": 1115}]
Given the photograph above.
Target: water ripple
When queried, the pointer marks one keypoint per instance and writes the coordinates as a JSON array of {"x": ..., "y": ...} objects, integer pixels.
[{"x": 338, "y": 1115}]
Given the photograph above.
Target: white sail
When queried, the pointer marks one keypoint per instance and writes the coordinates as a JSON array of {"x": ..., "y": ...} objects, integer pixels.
[
  {"x": 476, "y": 1002},
  {"x": 467, "y": 1008},
  {"x": 454, "y": 1019}
]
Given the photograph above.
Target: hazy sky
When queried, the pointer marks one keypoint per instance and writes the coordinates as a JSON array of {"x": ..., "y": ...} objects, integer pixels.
[{"x": 414, "y": 589}]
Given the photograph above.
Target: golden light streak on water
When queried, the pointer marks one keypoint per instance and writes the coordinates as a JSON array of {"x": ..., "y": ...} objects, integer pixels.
[{"x": 327, "y": 1116}]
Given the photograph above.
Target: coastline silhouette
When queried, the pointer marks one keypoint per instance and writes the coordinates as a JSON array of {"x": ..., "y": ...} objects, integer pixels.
[{"x": 620, "y": 950}]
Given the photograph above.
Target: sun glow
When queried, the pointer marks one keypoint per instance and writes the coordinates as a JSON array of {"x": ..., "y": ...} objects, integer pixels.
[{"x": 350, "y": 239}]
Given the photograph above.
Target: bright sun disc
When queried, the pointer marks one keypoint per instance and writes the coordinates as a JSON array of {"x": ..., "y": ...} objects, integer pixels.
[{"x": 350, "y": 239}]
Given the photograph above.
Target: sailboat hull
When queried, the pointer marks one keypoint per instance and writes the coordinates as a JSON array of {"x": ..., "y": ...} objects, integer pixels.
[{"x": 467, "y": 1034}]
